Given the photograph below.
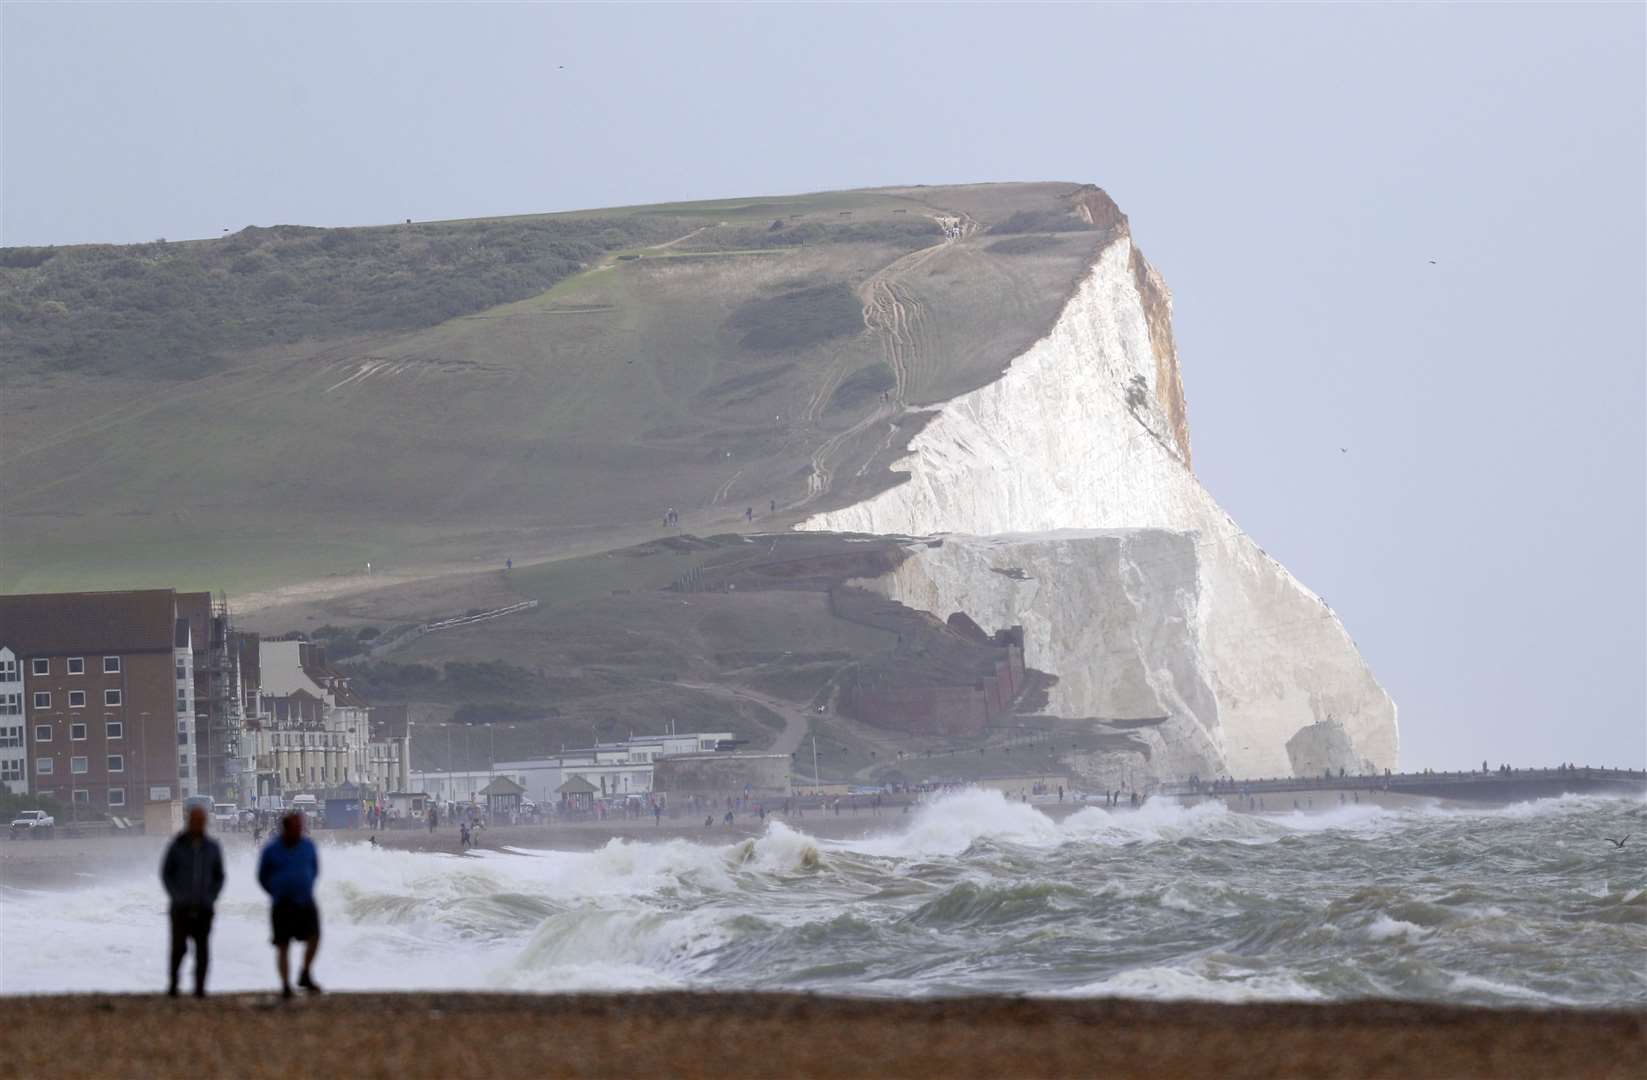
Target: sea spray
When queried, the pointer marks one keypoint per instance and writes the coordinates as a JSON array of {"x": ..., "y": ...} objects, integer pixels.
[{"x": 969, "y": 893}]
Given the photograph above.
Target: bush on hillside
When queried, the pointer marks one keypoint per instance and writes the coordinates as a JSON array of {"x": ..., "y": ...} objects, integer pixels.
[
  {"x": 1041, "y": 221},
  {"x": 798, "y": 318},
  {"x": 176, "y": 309}
]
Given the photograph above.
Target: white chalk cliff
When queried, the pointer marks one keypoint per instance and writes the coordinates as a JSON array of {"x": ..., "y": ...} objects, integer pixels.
[{"x": 1086, "y": 430}]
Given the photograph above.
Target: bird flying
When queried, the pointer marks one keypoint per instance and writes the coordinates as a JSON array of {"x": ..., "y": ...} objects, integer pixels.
[{"x": 1618, "y": 843}]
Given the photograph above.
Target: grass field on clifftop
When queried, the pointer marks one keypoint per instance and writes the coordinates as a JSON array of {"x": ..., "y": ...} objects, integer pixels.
[{"x": 286, "y": 404}]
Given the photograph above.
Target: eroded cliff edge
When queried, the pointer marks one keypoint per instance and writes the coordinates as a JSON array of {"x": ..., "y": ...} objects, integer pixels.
[{"x": 1087, "y": 430}]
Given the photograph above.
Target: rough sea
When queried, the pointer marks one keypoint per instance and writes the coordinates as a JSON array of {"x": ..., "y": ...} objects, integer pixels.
[{"x": 1525, "y": 905}]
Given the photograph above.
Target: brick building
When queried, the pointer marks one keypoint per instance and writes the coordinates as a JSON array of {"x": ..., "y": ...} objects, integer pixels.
[{"x": 102, "y": 677}]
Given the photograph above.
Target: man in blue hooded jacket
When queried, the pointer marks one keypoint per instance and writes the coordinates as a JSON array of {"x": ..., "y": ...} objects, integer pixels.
[{"x": 287, "y": 871}]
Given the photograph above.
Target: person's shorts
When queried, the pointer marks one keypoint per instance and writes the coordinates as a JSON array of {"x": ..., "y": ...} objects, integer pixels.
[{"x": 295, "y": 922}]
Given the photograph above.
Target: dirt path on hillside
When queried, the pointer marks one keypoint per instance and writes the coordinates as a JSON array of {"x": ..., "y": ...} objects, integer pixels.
[
  {"x": 894, "y": 314},
  {"x": 796, "y": 721}
]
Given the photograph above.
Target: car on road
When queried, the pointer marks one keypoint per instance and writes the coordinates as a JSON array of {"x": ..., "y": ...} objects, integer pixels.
[{"x": 32, "y": 823}]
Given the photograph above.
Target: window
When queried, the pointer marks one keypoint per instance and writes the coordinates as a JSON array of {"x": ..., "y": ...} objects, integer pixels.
[
  {"x": 11, "y": 736},
  {"x": 11, "y": 769},
  {"x": 111, "y": 697},
  {"x": 42, "y": 766},
  {"x": 11, "y": 704},
  {"x": 111, "y": 665},
  {"x": 40, "y": 666},
  {"x": 77, "y": 699},
  {"x": 114, "y": 729},
  {"x": 78, "y": 766},
  {"x": 77, "y": 665},
  {"x": 182, "y": 670},
  {"x": 81, "y": 795},
  {"x": 8, "y": 669},
  {"x": 42, "y": 733},
  {"x": 182, "y": 738},
  {"x": 117, "y": 796},
  {"x": 77, "y": 732},
  {"x": 117, "y": 763},
  {"x": 42, "y": 699},
  {"x": 182, "y": 700}
]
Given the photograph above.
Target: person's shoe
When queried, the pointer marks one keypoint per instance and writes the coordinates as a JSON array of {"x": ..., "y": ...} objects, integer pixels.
[
  {"x": 171, "y": 991},
  {"x": 200, "y": 991},
  {"x": 286, "y": 992},
  {"x": 306, "y": 981}
]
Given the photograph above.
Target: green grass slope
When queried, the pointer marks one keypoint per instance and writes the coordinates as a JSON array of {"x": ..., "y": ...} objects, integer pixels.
[{"x": 285, "y": 404}]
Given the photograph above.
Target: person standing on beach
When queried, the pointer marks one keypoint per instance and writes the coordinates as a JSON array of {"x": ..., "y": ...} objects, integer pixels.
[
  {"x": 192, "y": 871},
  {"x": 287, "y": 871}
]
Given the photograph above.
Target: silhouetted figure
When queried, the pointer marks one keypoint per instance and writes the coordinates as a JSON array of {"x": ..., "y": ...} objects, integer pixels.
[
  {"x": 192, "y": 871},
  {"x": 287, "y": 871}
]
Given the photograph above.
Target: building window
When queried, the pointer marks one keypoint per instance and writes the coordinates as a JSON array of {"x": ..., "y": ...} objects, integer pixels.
[
  {"x": 11, "y": 704},
  {"x": 11, "y": 769},
  {"x": 182, "y": 738},
  {"x": 11, "y": 736},
  {"x": 77, "y": 699},
  {"x": 78, "y": 766},
  {"x": 114, "y": 729},
  {"x": 117, "y": 763},
  {"x": 8, "y": 669},
  {"x": 182, "y": 700},
  {"x": 42, "y": 733},
  {"x": 42, "y": 766},
  {"x": 117, "y": 796},
  {"x": 182, "y": 670},
  {"x": 111, "y": 665},
  {"x": 111, "y": 697},
  {"x": 42, "y": 699},
  {"x": 40, "y": 666},
  {"x": 81, "y": 795},
  {"x": 77, "y": 665},
  {"x": 77, "y": 732}
]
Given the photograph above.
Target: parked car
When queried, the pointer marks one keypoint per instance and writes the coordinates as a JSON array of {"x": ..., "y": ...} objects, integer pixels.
[
  {"x": 32, "y": 823},
  {"x": 225, "y": 815}
]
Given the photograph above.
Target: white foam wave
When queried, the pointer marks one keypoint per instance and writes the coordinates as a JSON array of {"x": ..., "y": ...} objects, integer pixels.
[{"x": 1169, "y": 983}]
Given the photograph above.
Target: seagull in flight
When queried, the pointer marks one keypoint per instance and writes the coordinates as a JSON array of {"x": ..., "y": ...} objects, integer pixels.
[
  {"x": 1618, "y": 843},
  {"x": 1432, "y": 262},
  {"x": 1343, "y": 449}
]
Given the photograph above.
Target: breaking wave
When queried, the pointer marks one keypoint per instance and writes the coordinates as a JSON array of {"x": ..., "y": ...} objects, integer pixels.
[{"x": 970, "y": 893}]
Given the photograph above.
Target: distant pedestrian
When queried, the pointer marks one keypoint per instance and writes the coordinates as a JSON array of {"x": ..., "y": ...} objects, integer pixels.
[
  {"x": 192, "y": 871},
  {"x": 773, "y": 507},
  {"x": 509, "y": 564},
  {"x": 709, "y": 822},
  {"x": 463, "y": 834},
  {"x": 287, "y": 871},
  {"x": 434, "y": 819},
  {"x": 749, "y": 513}
]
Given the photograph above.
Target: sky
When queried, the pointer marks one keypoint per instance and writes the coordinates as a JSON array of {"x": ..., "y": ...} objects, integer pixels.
[{"x": 1416, "y": 232}]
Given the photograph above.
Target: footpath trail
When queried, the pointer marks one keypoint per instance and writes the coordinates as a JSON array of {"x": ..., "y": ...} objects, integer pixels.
[{"x": 796, "y": 721}]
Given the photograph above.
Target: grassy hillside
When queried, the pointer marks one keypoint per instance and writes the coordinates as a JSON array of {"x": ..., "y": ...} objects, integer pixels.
[{"x": 286, "y": 404}]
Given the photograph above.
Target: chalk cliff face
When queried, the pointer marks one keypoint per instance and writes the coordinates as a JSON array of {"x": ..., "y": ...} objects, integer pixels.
[{"x": 1087, "y": 430}]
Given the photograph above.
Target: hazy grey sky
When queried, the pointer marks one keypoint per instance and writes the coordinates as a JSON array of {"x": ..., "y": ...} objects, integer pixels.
[{"x": 1292, "y": 170}]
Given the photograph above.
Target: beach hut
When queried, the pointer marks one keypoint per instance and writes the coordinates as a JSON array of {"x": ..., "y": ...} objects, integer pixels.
[
  {"x": 577, "y": 796},
  {"x": 502, "y": 799}
]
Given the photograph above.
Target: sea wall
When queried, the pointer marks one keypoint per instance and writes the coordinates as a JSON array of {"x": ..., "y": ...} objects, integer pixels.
[
  {"x": 1086, "y": 430},
  {"x": 722, "y": 774}
]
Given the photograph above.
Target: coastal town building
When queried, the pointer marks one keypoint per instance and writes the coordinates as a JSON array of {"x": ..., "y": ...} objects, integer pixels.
[
  {"x": 612, "y": 770},
  {"x": 14, "y": 771},
  {"x": 97, "y": 674},
  {"x": 314, "y": 733}
]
